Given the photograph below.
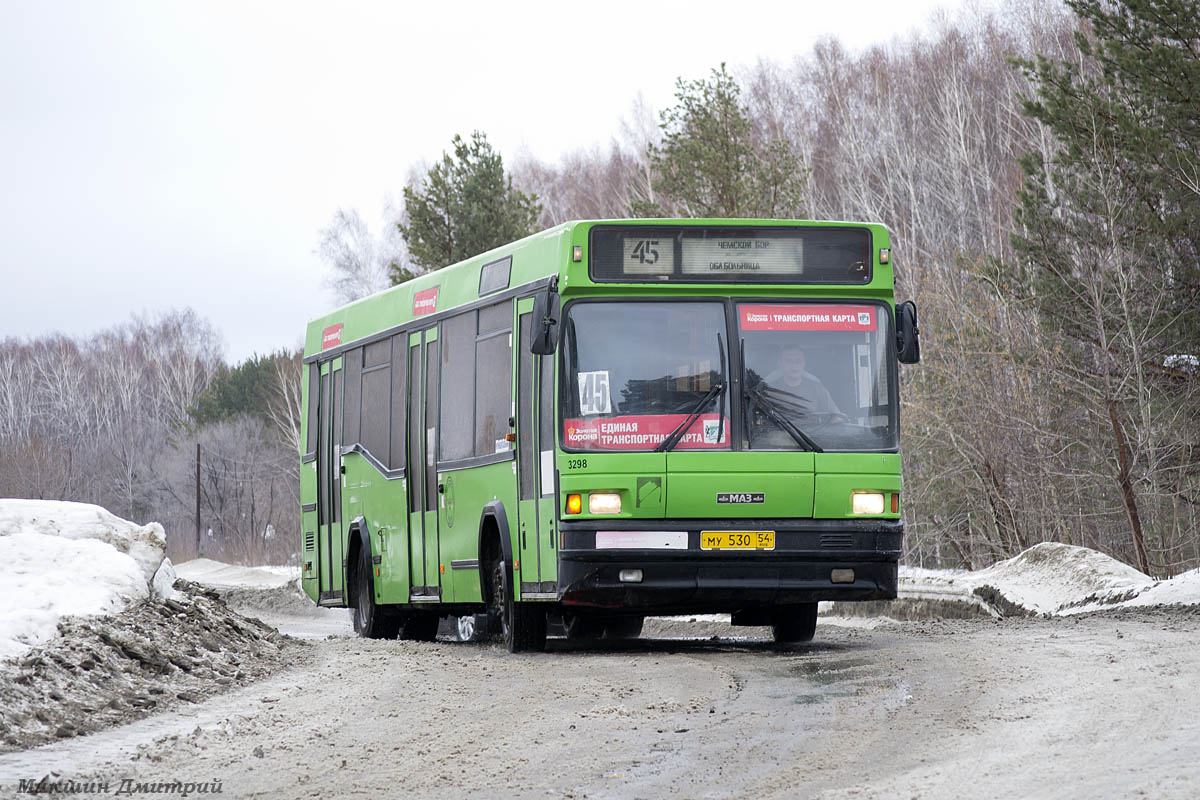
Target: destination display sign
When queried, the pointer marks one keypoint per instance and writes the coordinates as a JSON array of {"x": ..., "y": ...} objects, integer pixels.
[
  {"x": 757, "y": 255},
  {"x": 731, "y": 254}
]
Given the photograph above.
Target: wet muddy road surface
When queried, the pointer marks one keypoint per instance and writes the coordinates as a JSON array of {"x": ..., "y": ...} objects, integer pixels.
[{"x": 1098, "y": 706}]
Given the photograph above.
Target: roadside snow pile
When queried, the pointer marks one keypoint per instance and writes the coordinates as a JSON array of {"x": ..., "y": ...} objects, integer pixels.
[
  {"x": 60, "y": 558},
  {"x": 1182, "y": 590},
  {"x": 228, "y": 576},
  {"x": 1053, "y": 578},
  {"x": 1049, "y": 579},
  {"x": 105, "y": 670}
]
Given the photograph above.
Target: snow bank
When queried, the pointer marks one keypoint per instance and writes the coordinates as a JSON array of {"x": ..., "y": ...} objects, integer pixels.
[
  {"x": 1182, "y": 590},
  {"x": 1050, "y": 578},
  {"x": 1054, "y": 579},
  {"x": 59, "y": 558},
  {"x": 219, "y": 575}
]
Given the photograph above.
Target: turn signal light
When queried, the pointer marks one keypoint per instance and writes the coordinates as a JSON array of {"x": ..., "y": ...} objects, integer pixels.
[{"x": 574, "y": 503}]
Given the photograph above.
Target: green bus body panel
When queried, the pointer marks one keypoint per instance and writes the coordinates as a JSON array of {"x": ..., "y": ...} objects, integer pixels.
[
  {"x": 384, "y": 507},
  {"x": 460, "y": 507},
  {"x": 651, "y": 485},
  {"x": 694, "y": 479}
]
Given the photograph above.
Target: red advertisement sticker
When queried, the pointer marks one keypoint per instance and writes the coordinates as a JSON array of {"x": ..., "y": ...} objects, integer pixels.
[
  {"x": 331, "y": 336},
  {"x": 644, "y": 432},
  {"x": 425, "y": 302},
  {"x": 807, "y": 318}
]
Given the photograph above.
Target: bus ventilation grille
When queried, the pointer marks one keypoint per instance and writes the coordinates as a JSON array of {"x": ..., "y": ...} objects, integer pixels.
[
  {"x": 309, "y": 540},
  {"x": 837, "y": 540}
]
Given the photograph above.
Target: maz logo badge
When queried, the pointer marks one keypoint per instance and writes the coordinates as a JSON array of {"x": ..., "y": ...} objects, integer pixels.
[{"x": 725, "y": 498}]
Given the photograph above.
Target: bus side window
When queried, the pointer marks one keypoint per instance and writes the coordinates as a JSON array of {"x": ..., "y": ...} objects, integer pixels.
[
  {"x": 546, "y": 423},
  {"x": 314, "y": 403},
  {"x": 352, "y": 398},
  {"x": 376, "y": 400},
  {"x": 399, "y": 424},
  {"x": 525, "y": 411},
  {"x": 493, "y": 379}
]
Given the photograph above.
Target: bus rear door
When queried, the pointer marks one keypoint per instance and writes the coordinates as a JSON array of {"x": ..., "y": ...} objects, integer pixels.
[{"x": 421, "y": 469}]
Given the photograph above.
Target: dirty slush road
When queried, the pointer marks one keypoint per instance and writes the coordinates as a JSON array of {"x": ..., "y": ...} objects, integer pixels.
[{"x": 1100, "y": 706}]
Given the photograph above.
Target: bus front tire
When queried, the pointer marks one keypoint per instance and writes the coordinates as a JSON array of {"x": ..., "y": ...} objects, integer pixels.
[
  {"x": 523, "y": 625},
  {"x": 795, "y": 623}
]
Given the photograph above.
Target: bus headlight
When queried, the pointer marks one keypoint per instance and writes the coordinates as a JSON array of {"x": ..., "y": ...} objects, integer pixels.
[
  {"x": 604, "y": 503},
  {"x": 866, "y": 502}
]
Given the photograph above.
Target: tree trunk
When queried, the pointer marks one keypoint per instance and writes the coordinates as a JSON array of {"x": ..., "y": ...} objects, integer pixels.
[{"x": 1127, "y": 495}]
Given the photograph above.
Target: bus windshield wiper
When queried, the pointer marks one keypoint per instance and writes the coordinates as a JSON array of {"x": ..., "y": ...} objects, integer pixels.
[
  {"x": 770, "y": 407},
  {"x": 683, "y": 427}
]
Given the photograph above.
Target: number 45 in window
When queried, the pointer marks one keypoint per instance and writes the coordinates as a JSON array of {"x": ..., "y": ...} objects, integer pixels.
[{"x": 646, "y": 251}]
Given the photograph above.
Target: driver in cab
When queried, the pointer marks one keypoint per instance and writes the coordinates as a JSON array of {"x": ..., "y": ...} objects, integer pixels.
[{"x": 794, "y": 379}]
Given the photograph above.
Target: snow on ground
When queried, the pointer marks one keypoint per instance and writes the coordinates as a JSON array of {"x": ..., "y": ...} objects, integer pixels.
[
  {"x": 227, "y": 576},
  {"x": 1052, "y": 579},
  {"x": 1182, "y": 590},
  {"x": 60, "y": 558}
]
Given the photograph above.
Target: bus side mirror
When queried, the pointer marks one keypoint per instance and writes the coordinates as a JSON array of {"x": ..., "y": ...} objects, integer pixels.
[
  {"x": 908, "y": 335},
  {"x": 543, "y": 332}
]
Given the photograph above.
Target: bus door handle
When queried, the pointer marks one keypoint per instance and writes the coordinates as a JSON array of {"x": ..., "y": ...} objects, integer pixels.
[{"x": 441, "y": 488}]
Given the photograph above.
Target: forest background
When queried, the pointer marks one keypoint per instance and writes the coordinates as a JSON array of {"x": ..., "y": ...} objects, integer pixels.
[{"x": 1038, "y": 165}]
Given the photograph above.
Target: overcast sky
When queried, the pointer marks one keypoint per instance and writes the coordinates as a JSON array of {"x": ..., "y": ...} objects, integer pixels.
[{"x": 163, "y": 155}]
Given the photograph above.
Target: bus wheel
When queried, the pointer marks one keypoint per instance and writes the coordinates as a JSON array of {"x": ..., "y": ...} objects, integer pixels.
[
  {"x": 419, "y": 627},
  {"x": 579, "y": 629},
  {"x": 795, "y": 623},
  {"x": 523, "y": 625},
  {"x": 370, "y": 621},
  {"x": 624, "y": 627}
]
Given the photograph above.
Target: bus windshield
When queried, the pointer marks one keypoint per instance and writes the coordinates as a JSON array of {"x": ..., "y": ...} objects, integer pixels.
[
  {"x": 817, "y": 377},
  {"x": 814, "y": 376},
  {"x": 640, "y": 371}
]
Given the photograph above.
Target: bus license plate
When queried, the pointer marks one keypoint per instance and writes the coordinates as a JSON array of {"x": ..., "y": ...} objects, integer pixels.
[{"x": 737, "y": 540}]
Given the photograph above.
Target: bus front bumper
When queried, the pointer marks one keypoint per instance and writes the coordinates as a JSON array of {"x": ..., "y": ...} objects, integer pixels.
[{"x": 812, "y": 560}]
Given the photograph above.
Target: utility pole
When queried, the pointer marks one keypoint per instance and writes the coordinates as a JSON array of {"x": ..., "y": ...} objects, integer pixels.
[{"x": 197, "y": 499}]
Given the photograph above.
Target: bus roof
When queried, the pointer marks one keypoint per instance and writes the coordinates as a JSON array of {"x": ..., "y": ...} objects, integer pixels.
[{"x": 532, "y": 259}]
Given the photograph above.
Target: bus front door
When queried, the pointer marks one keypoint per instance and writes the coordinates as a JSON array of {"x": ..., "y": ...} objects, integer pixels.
[
  {"x": 527, "y": 516},
  {"x": 535, "y": 471},
  {"x": 547, "y": 491}
]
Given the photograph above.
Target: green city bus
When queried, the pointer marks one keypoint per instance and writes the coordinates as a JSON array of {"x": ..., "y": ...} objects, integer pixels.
[{"x": 611, "y": 420}]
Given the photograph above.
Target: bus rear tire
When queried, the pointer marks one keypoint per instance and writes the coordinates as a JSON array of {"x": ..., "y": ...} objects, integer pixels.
[
  {"x": 795, "y": 623},
  {"x": 624, "y": 627},
  {"x": 370, "y": 620},
  {"x": 523, "y": 625}
]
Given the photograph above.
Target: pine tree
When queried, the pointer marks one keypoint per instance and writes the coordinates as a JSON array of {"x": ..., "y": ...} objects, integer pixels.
[
  {"x": 1110, "y": 234},
  {"x": 465, "y": 205},
  {"x": 713, "y": 162}
]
